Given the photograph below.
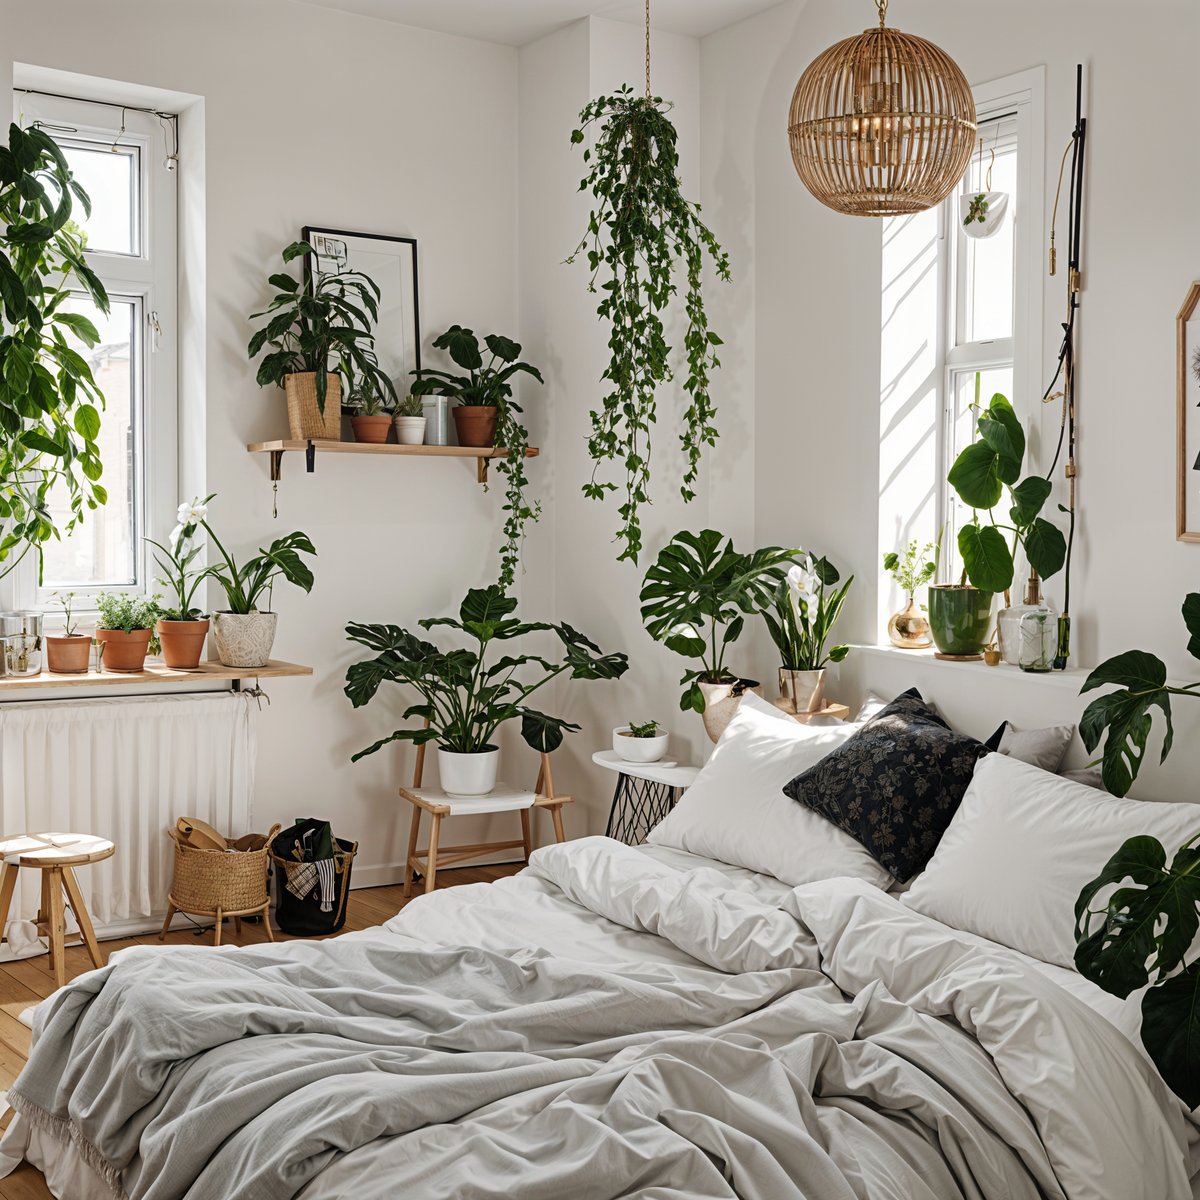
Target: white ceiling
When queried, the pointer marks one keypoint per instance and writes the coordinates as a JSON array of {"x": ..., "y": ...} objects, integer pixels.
[{"x": 516, "y": 22}]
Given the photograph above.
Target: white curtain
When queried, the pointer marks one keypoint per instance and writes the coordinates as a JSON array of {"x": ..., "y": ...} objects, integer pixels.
[{"x": 125, "y": 769}]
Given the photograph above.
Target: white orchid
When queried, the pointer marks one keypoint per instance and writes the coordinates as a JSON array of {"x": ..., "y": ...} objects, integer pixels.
[
  {"x": 188, "y": 515},
  {"x": 804, "y": 583}
]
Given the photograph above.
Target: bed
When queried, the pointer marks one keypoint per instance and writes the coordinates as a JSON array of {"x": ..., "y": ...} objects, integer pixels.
[{"x": 613, "y": 1021}]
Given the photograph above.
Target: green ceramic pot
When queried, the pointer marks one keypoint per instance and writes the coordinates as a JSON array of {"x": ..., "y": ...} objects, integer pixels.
[{"x": 959, "y": 619}]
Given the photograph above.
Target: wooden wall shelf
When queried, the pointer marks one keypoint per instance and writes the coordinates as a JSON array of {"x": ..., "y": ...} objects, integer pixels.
[
  {"x": 277, "y": 449},
  {"x": 154, "y": 672}
]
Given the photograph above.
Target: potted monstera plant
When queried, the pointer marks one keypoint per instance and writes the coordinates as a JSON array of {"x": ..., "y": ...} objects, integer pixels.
[
  {"x": 1143, "y": 932},
  {"x": 465, "y": 695},
  {"x": 695, "y": 599}
]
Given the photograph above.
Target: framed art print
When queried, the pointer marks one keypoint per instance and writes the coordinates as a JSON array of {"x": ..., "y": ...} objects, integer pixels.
[{"x": 1187, "y": 385}]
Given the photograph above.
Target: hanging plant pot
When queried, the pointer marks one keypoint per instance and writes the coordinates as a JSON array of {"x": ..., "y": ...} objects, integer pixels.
[{"x": 982, "y": 213}]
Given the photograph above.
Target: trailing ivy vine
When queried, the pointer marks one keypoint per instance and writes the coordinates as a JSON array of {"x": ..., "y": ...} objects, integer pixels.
[{"x": 640, "y": 233}]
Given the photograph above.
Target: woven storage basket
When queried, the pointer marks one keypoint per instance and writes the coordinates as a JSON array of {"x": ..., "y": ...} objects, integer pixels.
[
  {"x": 304, "y": 416},
  {"x": 211, "y": 881}
]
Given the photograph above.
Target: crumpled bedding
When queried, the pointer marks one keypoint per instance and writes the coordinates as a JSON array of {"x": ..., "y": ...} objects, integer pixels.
[{"x": 825, "y": 1043}]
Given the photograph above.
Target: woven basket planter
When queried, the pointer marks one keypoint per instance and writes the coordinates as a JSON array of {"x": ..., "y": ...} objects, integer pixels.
[
  {"x": 221, "y": 883},
  {"x": 305, "y": 419}
]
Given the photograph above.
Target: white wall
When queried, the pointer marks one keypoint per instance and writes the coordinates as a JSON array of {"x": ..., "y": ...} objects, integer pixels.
[
  {"x": 318, "y": 117},
  {"x": 817, "y": 301}
]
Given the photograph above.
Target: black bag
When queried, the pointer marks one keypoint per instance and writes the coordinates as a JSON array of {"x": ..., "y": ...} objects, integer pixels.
[{"x": 305, "y": 916}]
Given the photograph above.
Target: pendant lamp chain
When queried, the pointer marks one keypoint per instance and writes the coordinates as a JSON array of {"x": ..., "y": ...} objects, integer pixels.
[{"x": 648, "y": 46}]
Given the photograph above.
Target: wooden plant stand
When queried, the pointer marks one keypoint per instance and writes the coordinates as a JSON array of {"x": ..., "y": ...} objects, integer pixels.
[{"x": 440, "y": 806}]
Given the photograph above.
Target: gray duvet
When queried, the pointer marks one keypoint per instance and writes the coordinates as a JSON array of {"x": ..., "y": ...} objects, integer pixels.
[{"x": 829, "y": 1045}]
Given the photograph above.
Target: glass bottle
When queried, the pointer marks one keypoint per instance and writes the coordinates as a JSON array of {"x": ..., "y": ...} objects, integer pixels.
[
  {"x": 1038, "y": 641},
  {"x": 1008, "y": 620}
]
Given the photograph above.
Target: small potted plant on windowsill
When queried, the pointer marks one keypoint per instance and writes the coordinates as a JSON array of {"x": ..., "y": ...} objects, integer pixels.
[
  {"x": 695, "y": 600},
  {"x": 125, "y": 630},
  {"x": 68, "y": 653},
  {"x": 182, "y": 628},
  {"x": 243, "y": 634},
  {"x": 410, "y": 421},
  {"x": 371, "y": 420},
  {"x": 464, "y": 698},
  {"x": 908, "y": 629},
  {"x": 644, "y": 742},
  {"x": 313, "y": 332}
]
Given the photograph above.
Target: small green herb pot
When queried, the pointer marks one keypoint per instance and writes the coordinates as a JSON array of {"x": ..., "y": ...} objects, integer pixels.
[{"x": 959, "y": 619}]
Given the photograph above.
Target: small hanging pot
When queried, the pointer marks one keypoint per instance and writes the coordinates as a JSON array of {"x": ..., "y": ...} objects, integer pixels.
[{"x": 983, "y": 213}]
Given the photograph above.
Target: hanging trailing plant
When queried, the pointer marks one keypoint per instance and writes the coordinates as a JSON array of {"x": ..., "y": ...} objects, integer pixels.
[{"x": 640, "y": 233}]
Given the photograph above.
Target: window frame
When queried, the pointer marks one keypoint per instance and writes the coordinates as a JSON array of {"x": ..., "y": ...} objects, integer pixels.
[
  {"x": 151, "y": 279},
  {"x": 1023, "y": 95}
]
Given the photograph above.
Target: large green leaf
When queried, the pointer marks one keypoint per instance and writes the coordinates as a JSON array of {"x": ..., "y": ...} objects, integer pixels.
[
  {"x": 975, "y": 476},
  {"x": 1191, "y": 617},
  {"x": 505, "y": 349},
  {"x": 1029, "y": 497},
  {"x": 986, "y": 557},
  {"x": 1000, "y": 429},
  {"x": 486, "y": 604},
  {"x": 1123, "y": 718},
  {"x": 462, "y": 346},
  {"x": 544, "y": 733},
  {"x": 1171, "y": 1031},
  {"x": 1045, "y": 547}
]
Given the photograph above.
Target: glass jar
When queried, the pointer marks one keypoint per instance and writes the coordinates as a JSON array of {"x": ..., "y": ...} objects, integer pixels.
[{"x": 1038, "y": 641}]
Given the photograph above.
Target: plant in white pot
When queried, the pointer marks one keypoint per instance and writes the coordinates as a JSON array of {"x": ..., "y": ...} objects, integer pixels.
[
  {"x": 410, "y": 420},
  {"x": 807, "y": 606},
  {"x": 640, "y": 742},
  {"x": 244, "y": 634},
  {"x": 464, "y": 697},
  {"x": 695, "y": 600}
]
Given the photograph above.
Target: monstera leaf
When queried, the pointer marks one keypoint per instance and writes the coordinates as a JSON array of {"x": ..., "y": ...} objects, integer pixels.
[
  {"x": 544, "y": 733},
  {"x": 1142, "y": 933},
  {"x": 1123, "y": 718}
]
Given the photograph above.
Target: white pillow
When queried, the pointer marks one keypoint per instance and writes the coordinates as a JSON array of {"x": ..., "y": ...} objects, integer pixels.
[
  {"x": 1021, "y": 848},
  {"x": 755, "y": 701},
  {"x": 736, "y": 811}
]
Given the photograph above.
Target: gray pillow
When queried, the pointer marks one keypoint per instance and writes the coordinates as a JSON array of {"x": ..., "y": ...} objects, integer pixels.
[{"x": 1045, "y": 748}]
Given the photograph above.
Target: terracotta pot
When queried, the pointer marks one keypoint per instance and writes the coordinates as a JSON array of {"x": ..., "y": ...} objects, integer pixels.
[
  {"x": 475, "y": 424},
  {"x": 305, "y": 419},
  {"x": 244, "y": 639},
  {"x": 182, "y": 643},
  {"x": 69, "y": 655},
  {"x": 721, "y": 701},
  {"x": 121, "y": 651},
  {"x": 909, "y": 628},
  {"x": 371, "y": 429},
  {"x": 804, "y": 691}
]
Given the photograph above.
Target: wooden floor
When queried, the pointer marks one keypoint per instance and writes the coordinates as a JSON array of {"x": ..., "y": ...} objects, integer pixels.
[{"x": 28, "y": 981}]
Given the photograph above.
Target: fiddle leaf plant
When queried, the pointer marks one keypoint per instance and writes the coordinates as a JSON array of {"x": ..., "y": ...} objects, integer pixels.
[
  {"x": 981, "y": 475},
  {"x": 645, "y": 243},
  {"x": 1141, "y": 933},
  {"x": 488, "y": 384},
  {"x": 465, "y": 696},
  {"x": 696, "y": 596},
  {"x": 49, "y": 401}
]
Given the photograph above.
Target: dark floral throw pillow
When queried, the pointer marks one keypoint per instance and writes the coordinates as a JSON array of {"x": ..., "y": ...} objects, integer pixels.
[{"x": 895, "y": 785}]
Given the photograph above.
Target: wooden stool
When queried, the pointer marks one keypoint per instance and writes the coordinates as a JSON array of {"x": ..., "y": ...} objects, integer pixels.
[
  {"x": 54, "y": 854},
  {"x": 439, "y": 805}
]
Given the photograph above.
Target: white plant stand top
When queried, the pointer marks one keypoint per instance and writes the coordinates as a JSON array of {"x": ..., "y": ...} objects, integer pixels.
[
  {"x": 668, "y": 772},
  {"x": 501, "y": 798}
]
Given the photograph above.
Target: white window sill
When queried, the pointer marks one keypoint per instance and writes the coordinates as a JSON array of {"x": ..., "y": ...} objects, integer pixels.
[{"x": 1072, "y": 677}]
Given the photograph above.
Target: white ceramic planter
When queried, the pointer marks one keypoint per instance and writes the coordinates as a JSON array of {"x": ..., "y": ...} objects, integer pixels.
[
  {"x": 468, "y": 774},
  {"x": 639, "y": 750},
  {"x": 244, "y": 639},
  {"x": 721, "y": 701},
  {"x": 410, "y": 431},
  {"x": 993, "y": 221}
]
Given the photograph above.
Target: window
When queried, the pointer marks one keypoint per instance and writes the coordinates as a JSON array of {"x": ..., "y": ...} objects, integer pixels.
[
  {"x": 118, "y": 156},
  {"x": 990, "y": 302}
]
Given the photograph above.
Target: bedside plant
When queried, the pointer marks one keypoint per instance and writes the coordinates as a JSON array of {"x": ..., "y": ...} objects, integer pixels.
[
  {"x": 68, "y": 653},
  {"x": 125, "y": 630},
  {"x": 1143, "y": 933},
  {"x": 801, "y": 624},
  {"x": 486, "y": 414},
  {"x": 695, "y": 599},
  {"x": 311, "y": 334},
  {"x": 640, "y": 743},
  {"x": 464, "y": 697},
  {"x": 183, "y": 627},
  {"x": 647, "y": 729},
  {"x": 244, "y": 634}
]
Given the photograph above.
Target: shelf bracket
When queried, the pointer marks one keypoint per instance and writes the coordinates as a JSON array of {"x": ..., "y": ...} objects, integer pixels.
[
  {"x": 276, "y": 465},
  {"x": 481, "y": 471},
  {"x": 310, "y": 457}
]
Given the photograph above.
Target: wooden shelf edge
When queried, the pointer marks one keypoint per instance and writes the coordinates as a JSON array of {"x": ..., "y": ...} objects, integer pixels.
[
  {"x": 154, "y": 673},
  {"x": 282, "y": 445}
]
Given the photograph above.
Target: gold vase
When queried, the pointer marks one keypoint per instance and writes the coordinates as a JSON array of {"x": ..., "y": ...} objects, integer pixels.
[{"x": 909, "y": 628}]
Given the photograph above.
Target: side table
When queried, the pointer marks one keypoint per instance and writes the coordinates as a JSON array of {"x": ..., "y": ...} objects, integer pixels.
[{"x": 644, "y": 794}]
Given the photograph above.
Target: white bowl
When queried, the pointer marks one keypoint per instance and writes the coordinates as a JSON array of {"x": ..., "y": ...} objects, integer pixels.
[{"x": 638, "y": 750}]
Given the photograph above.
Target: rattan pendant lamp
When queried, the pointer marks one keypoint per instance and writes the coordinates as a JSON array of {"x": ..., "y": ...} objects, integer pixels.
[{"x": 882, "y": 124}]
